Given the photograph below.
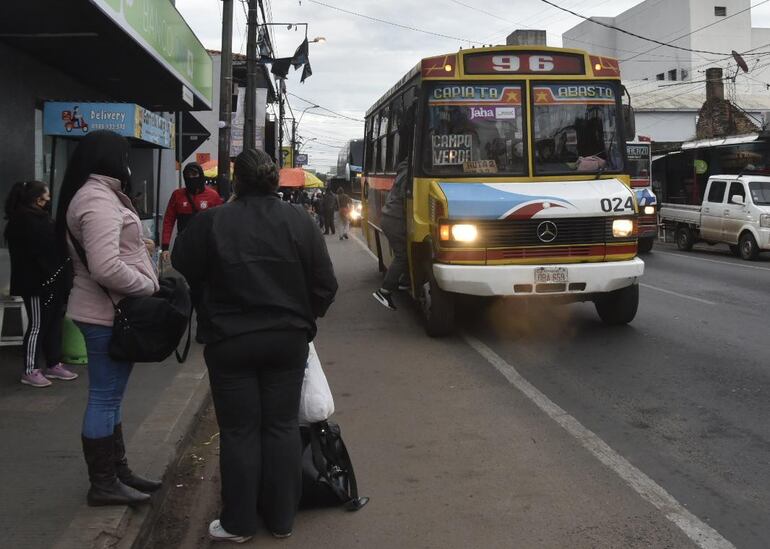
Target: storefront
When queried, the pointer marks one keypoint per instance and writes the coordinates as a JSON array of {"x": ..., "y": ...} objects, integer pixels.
[
  {"x": 139, "y": 54},
  {"x": 64, "y": 123}
]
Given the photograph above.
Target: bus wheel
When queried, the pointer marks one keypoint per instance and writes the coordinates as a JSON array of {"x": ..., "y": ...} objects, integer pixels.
[
  {"x": 748, "y": 247},
  {"x": 438, "y": 307},
  {"x": 684, "y": 239},
  {"x": 645, "y": 245},
  {"x": 618, "y": 307}
]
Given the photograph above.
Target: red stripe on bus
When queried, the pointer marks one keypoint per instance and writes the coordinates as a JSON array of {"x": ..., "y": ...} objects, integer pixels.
[
  {"x": 622, "y": 250},
  {"x": 380, "y": 183},
  {"x": 545, "y": 251}
]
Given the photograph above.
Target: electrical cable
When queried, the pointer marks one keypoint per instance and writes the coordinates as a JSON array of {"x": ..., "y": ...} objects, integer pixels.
[
  {"x": 399, "y": 25},
  {"x": 325, "y": 109},
  {"x": 653, "y": 40}
]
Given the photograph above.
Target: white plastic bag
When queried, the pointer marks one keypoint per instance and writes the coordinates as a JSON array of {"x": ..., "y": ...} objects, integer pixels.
[{"x": 316, "y": 403}]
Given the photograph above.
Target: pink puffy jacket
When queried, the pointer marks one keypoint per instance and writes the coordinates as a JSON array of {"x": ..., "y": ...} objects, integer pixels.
[{"x": 105, "y": 223}]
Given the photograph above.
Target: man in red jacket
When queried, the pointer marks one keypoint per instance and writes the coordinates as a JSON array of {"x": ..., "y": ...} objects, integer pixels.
[{"x": 185, "y": 203}]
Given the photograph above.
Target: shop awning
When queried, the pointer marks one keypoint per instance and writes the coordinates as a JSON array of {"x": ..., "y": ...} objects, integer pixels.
[
  {"x": 140, "y": 52},
  {"x": 75, "y": 119}
]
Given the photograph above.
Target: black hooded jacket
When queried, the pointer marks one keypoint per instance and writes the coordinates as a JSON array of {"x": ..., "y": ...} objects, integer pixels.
[
  {"x": 258, "y": 264},
  {"x": 38, "y": 264}
]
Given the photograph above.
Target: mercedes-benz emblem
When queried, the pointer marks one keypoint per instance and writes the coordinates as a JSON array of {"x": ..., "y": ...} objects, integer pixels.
[{"x": 547, "y": 231}]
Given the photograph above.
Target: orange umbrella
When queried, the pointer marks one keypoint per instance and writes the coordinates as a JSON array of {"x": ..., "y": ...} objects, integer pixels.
[
  {"x": 291, "y": 177},
  {"x": 211, "y": 168}
]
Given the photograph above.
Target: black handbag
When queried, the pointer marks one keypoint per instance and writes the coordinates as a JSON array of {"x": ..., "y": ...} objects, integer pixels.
[{"x": 148, "y": 328}]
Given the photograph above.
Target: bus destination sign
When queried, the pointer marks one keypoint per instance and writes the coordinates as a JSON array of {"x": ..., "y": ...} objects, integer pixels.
[{"x": 518, "y": 62}]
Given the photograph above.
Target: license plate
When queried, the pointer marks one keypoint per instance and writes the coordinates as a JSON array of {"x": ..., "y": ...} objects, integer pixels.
[{"x": 551, "y": 275}]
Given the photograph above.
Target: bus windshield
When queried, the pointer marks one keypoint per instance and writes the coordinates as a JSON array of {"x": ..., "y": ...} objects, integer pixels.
[
  {"x": 475, "y": 128},
  {"x": 576, "y": 128}
]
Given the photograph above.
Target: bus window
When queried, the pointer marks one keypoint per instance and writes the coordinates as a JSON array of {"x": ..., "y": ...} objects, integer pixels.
[
  {"x": 396, "y": 113},
  {"x": 472, "y": 129},
  {"x": 576, "y": 128},
  {"x": 382, "y": 154},
  {"x": 369, "y": 147}
]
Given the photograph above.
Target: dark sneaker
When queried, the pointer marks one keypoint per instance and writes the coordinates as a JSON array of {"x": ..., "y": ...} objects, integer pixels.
[
  {"x": 345, "y": 236},
  {"x": 385, "y": 298}
]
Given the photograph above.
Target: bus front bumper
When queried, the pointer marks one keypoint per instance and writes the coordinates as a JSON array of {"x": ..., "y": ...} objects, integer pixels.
[{"x": 519, "y": 280}]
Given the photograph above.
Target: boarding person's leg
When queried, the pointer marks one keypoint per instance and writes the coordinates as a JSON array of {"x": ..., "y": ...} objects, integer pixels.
[
  {"x": 280, "y": 387},
  {"x": 236, "y": 394},
  {"x": 395, "y": 230}
]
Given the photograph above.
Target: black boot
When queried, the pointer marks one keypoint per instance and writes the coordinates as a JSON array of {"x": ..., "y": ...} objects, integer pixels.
[
  {"x": 106, "y": 489},
  {"x": 122, "y": 470}
]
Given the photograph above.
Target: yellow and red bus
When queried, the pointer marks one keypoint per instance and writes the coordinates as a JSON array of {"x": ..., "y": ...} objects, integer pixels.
[{"x": 517, "y": 179}]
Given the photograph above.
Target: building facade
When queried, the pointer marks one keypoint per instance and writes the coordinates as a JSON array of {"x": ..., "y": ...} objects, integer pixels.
[
  {"x": 718, "y": 26},
  {"x": 83, "y": 60}
]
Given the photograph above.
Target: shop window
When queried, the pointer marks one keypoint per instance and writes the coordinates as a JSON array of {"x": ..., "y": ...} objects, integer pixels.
[
  {"x": 672, "y": 74},
  {"x": 661, "y": 76},
  {"x": 720, "y": 11}
]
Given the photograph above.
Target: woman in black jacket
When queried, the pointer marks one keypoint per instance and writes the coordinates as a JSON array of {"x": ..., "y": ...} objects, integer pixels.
[
  {"x": 40, "y": 276},
  {"x": 263, "y": 274}
]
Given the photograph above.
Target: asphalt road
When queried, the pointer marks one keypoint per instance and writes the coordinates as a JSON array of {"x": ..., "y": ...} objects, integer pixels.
[
  {"x": 683, "y": 393},
  {"x": 648, "y": 435}
]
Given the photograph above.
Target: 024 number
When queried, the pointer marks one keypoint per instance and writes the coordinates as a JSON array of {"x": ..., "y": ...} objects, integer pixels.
[{"x": 616, "y": 204}]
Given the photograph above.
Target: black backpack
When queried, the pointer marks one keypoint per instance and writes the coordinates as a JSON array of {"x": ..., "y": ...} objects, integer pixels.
[{"x": 328, "y": 479}]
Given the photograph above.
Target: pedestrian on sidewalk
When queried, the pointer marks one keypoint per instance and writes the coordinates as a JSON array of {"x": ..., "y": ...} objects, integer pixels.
[
  {"x": 329, "y": 206},
  {"x": 265, "y": 276},
  {"x": 345, "y": 204},
  {"x": 111, "y": 260},
  {"x": 186, "y": 202},
  {"x": 40, "y": 276}
]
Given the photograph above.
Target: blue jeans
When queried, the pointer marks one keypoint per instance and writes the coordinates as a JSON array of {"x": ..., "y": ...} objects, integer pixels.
[{"x": 107, "y": 380}]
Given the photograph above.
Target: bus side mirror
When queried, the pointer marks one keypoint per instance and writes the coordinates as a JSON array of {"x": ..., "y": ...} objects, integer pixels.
[{"x": 629, "y": 122}]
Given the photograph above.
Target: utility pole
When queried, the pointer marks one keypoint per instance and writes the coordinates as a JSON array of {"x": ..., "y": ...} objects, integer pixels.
[
  {"x": 225, "y": 99},
  {"x": 250, "y": 107},
  {"x": 293, "y": 143},
  {"x": 281, "y": 88}
]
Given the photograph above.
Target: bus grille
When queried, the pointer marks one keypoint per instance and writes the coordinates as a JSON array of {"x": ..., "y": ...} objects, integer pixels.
[{"x": 523, "y": 232}]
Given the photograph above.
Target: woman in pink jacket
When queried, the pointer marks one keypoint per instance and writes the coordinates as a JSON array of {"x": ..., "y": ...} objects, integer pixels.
[{"x": 98, "y": 222}]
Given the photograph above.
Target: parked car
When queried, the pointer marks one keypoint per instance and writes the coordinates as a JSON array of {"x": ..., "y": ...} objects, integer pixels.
[{"x": 735, "y": 211}]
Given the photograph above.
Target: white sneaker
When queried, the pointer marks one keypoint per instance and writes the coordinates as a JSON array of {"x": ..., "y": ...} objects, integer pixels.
[{"x": 217, "y": 533}]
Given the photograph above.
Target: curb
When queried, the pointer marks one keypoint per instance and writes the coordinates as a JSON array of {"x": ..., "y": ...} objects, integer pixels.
[{"x": 157, "y": 442}]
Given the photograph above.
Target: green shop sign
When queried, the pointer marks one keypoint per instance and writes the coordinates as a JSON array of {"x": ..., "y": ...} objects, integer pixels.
[{"x": 163, "y": 32}]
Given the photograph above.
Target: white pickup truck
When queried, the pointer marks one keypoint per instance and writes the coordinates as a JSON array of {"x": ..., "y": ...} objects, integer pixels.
[{"x": 735, "y": 211}]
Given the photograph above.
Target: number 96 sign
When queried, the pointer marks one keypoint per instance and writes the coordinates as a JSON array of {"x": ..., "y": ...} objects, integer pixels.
[{"x": 502, "y": 62}]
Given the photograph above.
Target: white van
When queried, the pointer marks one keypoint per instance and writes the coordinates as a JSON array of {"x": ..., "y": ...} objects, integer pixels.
[{"x": 735, "y": 211}]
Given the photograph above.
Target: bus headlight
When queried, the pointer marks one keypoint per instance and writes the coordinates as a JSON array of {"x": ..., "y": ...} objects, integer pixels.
[
  {"x": 355, "y": 214},
  {"x": 649, "y": 210},
  {"x": 462, "y": 232},
  {"x": 622, "y": 228}
]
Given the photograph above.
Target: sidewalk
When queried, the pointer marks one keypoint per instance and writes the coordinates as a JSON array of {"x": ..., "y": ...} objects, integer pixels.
[{"x": 42, "y": 472}]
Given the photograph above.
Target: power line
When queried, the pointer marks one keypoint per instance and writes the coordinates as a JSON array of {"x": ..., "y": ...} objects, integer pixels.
[
  {"x": 329, "y": 110},
  {"x": 394, "y": 24},
  {"x": 618, "y": 29}
]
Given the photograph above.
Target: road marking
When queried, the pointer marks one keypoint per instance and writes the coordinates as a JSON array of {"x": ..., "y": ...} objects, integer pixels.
[
  {"x": 683, "y": 296},
  {"x": 686, "y": 256},
  {"x": 365, "y": 247},
  {"x": 699, "y": 532}
]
